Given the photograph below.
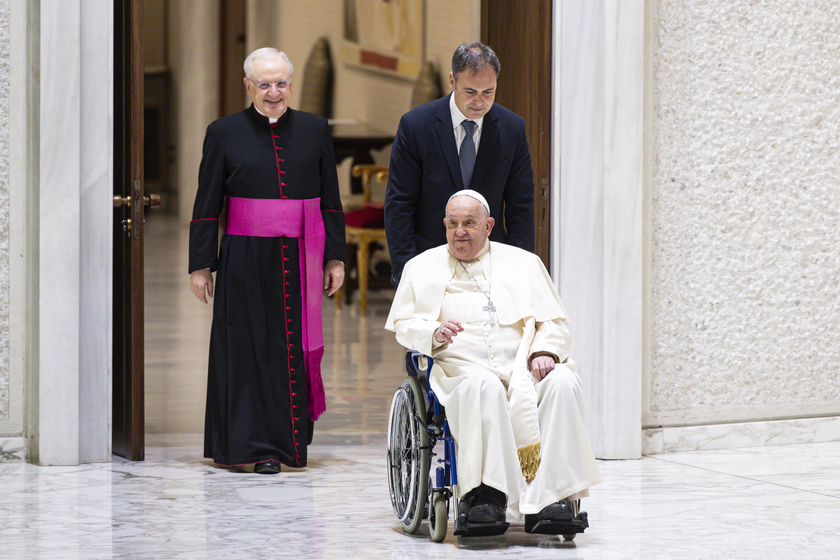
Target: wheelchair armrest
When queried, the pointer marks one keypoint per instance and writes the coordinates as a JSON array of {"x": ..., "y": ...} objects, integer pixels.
[{"x": 413, "y": 367}]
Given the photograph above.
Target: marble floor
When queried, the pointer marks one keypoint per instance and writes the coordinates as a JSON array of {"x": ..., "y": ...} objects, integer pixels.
[{"x": 779, "y": 502}]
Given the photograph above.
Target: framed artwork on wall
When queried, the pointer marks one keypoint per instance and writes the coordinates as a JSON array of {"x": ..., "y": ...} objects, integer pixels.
[{"x": 384, "y": 36}]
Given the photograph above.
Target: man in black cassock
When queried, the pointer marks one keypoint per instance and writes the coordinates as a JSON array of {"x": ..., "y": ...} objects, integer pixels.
[{"x": 274, "y": 171}]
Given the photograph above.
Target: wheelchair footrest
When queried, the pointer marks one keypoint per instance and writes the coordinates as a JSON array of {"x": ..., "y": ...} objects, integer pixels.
[
  {"x": 466, "y": 529},
  {"x": 560, "y": 527}
]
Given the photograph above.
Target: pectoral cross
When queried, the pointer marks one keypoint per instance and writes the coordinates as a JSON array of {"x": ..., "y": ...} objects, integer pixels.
[{"x": 491, "y": 310}]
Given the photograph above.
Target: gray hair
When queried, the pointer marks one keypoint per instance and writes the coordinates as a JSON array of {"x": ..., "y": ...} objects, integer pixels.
[
  {"x": 474, "y": 58},
  {"x": 266, "y": 52}
]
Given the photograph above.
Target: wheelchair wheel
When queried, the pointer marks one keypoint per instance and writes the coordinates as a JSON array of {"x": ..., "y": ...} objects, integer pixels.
[
  {"x": 438, "y": 517},
  {"x": 408, "y": 455}
]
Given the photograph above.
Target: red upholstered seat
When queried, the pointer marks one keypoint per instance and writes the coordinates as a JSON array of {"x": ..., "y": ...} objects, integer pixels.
[
  {"x": 365, "y": 227},
  {"x": 371, "y": 216}
]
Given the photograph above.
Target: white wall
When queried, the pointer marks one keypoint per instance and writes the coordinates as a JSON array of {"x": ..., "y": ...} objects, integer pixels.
[
  {"x": 96, "y": 215},
  {"x": 5, "y": 171},
  {"x": 598, "y": 83},
  {"x": 699, "y": 198},
  {"x": 23, "y": 221},
  {"x": 12, "y": 115},
  {"x": 745, "y": 313},
  {"x": 60, "y": 338}
]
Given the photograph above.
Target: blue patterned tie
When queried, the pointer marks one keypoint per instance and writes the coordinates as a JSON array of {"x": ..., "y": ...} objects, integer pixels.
[{"x": 467, "y": 154}]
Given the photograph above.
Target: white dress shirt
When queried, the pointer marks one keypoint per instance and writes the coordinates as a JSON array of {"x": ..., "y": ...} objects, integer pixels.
[{"x": 457, "y": 118}]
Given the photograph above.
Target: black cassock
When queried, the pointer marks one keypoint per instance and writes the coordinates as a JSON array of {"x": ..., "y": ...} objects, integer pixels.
[{"x": 257, "y": 384}]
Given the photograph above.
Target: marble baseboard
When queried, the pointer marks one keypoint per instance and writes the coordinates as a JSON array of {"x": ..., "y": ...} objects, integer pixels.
[
  {"x": 745, "y": 434},
  {"x": 12, "y": 450}
]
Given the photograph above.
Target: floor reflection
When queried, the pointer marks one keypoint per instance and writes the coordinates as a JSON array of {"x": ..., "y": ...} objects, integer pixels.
[{"x": 773, "y": 502}]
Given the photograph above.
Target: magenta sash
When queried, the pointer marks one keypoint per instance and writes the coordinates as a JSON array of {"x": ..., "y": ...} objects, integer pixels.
[{"x": 268, "y": 217}]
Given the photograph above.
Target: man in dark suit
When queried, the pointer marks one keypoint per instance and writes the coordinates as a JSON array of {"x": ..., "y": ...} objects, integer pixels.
[{"x": 461, "y": 141}]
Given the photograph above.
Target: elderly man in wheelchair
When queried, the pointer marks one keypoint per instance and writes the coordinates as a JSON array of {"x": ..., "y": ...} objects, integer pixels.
[{"x": 491, "y": 334}]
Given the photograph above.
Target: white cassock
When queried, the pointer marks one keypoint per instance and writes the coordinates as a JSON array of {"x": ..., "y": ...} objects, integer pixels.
[{"x": 500, "y": 416}]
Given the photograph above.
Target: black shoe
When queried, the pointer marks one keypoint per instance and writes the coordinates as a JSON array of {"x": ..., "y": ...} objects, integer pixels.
[
  {"x": 486, "y": 513},
  {"x": 271, "y": 466},
  {"x": 466, "y": 503},
  {"x": 558, "y": 511},
  {"x": 483, "y": 504}
]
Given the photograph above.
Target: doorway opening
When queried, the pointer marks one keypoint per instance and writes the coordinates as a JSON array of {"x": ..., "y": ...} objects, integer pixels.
[{"x": 175, "y": 72}]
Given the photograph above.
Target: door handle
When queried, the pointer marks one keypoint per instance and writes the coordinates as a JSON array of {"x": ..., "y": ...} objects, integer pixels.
[{"x": 152, "y": 201}]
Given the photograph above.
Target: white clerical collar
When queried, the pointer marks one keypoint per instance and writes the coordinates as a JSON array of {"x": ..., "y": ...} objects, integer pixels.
[
  {"x": 484, "y": 250},
  {"x": 458, "y": 117},
  {"x": 272, "y": 120}
]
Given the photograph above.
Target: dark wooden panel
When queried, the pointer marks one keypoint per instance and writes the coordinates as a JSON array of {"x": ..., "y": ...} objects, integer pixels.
[
  {"x": 128, "y": 430},
  {"x": 231, "y": 56},
  {"x": 520, "y": 33}
]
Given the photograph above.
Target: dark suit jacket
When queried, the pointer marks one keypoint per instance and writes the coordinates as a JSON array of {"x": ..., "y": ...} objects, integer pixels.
[{"x": 425, "y": 171}]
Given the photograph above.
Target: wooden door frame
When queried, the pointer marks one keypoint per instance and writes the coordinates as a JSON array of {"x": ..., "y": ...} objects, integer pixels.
[
  {"x": 525, "y": 87},
  {"x": 128, "y": 428},
  {"x": 232, "y": 39}
]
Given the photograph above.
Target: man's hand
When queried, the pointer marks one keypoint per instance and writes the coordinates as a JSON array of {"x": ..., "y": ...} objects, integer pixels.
[
  {"x": 447, "y": 331},
  {"x": 202, "y": 280},
  {"x": 542, "y": 366},
  {"x": 333, "y": 276}
]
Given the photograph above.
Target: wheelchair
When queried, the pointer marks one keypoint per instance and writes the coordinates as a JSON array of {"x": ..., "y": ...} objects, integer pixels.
[{"x": 418, "y": 433}]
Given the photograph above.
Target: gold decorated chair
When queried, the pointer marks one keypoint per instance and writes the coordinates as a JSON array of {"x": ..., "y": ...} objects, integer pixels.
[{"x": 364, "y": 226}]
